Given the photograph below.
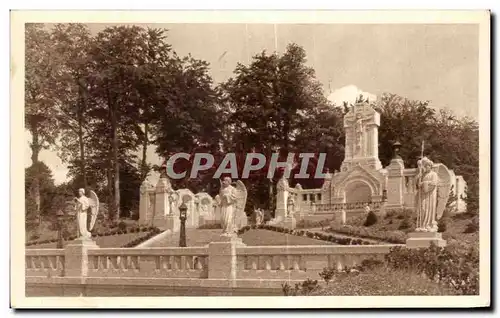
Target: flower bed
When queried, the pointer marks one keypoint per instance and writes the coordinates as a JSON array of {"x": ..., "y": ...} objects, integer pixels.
[{"x": 313, "y": 235}]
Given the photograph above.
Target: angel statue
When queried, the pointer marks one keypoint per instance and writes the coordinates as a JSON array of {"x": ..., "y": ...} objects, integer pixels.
[
  {"x": 231, "y": 201},
  {"x": 82, "y": 205},
  {"x": 431, "y": 198}
]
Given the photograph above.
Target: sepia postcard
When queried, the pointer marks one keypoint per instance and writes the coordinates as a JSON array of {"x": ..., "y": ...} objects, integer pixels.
[{"x": 191, "y": 159}]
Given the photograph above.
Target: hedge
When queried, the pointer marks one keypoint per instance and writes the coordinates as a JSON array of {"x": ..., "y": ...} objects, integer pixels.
[
  {"x": 116, "y": 231},
  {"x": 309, "y": 234}
]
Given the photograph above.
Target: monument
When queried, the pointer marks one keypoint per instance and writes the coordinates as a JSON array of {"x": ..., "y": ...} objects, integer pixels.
[{"x": 362, "y": 184}]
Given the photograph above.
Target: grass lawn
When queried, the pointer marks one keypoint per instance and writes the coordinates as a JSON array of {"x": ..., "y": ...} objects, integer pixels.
[
  {"x": 102, "y": 241},
  {"x": 381, "y": 282},
  {"x": 255, "y": 237}
]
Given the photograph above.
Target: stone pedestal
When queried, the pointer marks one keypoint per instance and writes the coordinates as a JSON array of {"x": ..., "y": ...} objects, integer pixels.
[
  {"x": 343, "y": 217},
  {"x": 424, "y": 239},
  {"x": 289, "y": 223},
  {"x": 222, "y": 257},
  {"x": 76, "y": 257}
]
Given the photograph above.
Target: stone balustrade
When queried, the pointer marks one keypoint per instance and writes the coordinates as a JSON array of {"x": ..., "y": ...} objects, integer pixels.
[
  {"x": 174, "y": 262},
  {"x": 44, "y": 262},
  {"x": 301, "y": 262},
  {"x": 226, "y": 267},
  {"x": 335, "y": 207}
]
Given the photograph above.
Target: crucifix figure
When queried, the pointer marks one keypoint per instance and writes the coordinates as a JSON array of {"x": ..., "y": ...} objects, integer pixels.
[{"x": 359, "y": 131}]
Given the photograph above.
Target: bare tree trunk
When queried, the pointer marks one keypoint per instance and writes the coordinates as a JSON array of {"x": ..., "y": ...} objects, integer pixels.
[
  {"x": 83, "y": 169},
  {"x": 116, "y": 163},
  {"x": 144, "y": 163},
  {"x": 110, "y": 194},
  {"x": 35, "y": 151}
]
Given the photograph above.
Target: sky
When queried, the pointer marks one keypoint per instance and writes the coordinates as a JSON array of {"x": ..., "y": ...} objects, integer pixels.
[{"x": 434, "y": 62}]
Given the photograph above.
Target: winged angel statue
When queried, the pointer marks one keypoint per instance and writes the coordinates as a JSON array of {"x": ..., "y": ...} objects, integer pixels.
[
  {"x": 231, "y": 201},
  {"x": 432, "y": 195},
  {"x": 82, "y": 205}
]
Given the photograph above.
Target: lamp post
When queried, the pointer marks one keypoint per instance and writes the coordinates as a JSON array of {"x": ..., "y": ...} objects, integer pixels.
[
  {"x": 182, "y": 217},
  {"x": 396, "y": 147},
  {"x": 60, "y": 216}
]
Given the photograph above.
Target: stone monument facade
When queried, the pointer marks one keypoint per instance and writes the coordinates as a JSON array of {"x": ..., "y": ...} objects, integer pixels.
[{"x": 362, "y": 180}]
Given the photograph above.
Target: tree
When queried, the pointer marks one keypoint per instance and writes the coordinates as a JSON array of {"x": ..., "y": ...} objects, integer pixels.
[
  {"x": 190, "y": 120},
  {"x": 72, "y": 43},
  {"x": 271, "y": 106},
  {"x": 42, "y": 66},
  {"x": 116, "y": 55},
  {"x": 40, "y": 174}
]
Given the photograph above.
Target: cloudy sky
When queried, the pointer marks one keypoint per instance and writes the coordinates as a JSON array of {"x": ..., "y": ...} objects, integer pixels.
[{"x": 437, "y": 62}]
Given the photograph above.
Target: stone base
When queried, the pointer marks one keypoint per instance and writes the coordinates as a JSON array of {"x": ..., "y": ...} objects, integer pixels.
[
  {"x": 289, "y": 223},
  {"x": 424, "y": 239},
  {"x": 83, "y": 241}
]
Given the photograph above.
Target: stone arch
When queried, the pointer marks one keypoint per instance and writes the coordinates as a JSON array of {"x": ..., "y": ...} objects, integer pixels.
[{"x": 358, "y": 190}]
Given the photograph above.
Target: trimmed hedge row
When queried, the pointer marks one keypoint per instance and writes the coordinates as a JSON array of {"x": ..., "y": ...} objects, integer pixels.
[
  {"x": 116, "y": 231},
  {"x": 309, "y": 234},
  {"x": 365, "y": 232},
  {"x": 144, "y": 238}
]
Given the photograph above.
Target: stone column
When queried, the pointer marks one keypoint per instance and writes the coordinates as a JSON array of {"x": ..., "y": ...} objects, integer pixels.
[
  {"x": 144, "y": 203},
  {"x": 281, "y": 199},
  {"x": 76, "y": 257},
  {"x": 222, "y": 258},
  {"x": 162, "y": 207},
  {"x": 395, "y": 186}
]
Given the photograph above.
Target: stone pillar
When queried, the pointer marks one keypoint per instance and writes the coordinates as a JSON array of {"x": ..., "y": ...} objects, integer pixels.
[
  {"x": 76, "y": 257},
  {"x": 395, "y": 186},
  {"x": 222, "y": 258},
  {"x": 144, "y": 203},
  {"x": 281, "y": 199},
  {"x": 343, "y": 217},
  {"x": 162, "y": 207}
]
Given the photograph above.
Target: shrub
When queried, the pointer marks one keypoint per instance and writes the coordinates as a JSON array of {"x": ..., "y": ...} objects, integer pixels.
[
  {"x": 405, "y": 224},
  {"x": 327, "y": 274},
  {"x": 446, "y": 265},
  {"x": 210, "y": 226},
  {"x": 472, "y": 226},
  {"x": 442, "y": 225},
  {"x": 371, "y": 219},
  {"x": 34, "y": 236}
]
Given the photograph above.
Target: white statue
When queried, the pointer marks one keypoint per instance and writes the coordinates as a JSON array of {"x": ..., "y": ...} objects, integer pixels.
[
  {"x": 232, "y": 201},
  {"x": 431, "y": 198},
  {"x": 173, "y": 198},
  {"x": 82, "y": 204}
]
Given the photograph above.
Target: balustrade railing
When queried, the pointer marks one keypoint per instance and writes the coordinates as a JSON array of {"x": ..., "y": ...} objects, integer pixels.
[
  {"x": 44, "y": 262},
  {"x": 334, "y": 207},
  {"x": 173, "y": 262}
]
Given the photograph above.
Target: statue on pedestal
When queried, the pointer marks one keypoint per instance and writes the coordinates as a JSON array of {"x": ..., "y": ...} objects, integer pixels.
[
  {"x": 232, "y": 201},
  {"x": 432, "y": 195},
  {"x": 82, "y": 205}
]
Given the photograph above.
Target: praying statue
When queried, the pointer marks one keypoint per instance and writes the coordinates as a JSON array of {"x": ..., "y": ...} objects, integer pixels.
[
  {"x": 432, "y": 195},
  {"x": 231, "y": 201},
  {"x": 82, "y": 205}
]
